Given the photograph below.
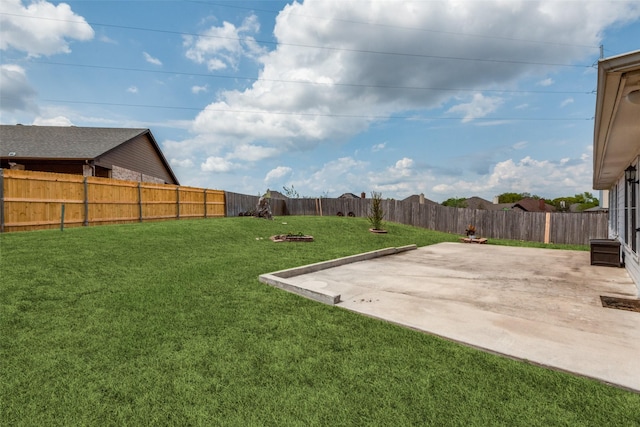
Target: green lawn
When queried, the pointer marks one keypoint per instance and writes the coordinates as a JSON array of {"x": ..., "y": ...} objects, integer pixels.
[{"x": 167, "y": 324}]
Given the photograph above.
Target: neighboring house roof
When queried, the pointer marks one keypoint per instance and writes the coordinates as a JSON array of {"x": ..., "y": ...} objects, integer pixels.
[
  {"x": 416, "y": 199},
  {"x": 502, "y": 206},
  {"x": 616, "y": 139},
  {"x": 348, "y": 196},
  {"x": 68, "y": 142},
  {"x": 479, "y": 203},
  {"x": 596, "y": 209},
  {"x": 62, "y": 142},
  {"x": 533, "y": 205}
]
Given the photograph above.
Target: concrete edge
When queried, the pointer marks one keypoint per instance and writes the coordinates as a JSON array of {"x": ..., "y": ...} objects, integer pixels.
[
  {"x": 499, "y": 353},
  {"x": 278, "y": 278}
]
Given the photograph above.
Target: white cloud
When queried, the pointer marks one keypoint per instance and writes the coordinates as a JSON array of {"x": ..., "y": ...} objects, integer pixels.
[
  {"x": 378, "y": 147},
  {"x": 197, "y": 89},
  {"x": 335, "y": 177},
  {"x": 132, "y": 89},
  {"x": 402, "y": 179},
  {"x": 52, "y": 121},
  {"x": 307, "y": 96},
  {"x": 16, "y": 92},
  {"x": 479, "y": 107},
  {"x": 277, "y": 173},
  {"x": 181, "y": 163},
  {"x": 543, "y": 177},
  {"x": 41, "y": 28},
  {"x": 546, "y": 82},
  {"x": 519, "y": 145},
  {"x": 222, "y": 47},
  {"x": 404, "y": 164},
  {"x": 216, "y": 164},
  {"x": 150, "y": 59},
  {"x": 397, "y": 176},
  {"x": 566, "y": 102},
  {"x": 106, "y": 39},
  {"x": 252, "y": 153}
]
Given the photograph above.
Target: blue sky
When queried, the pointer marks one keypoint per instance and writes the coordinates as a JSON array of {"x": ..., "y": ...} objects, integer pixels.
[{"x": 449, "y": 99}]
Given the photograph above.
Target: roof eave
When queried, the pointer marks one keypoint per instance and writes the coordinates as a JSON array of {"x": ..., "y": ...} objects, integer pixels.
[{"x": 611, "y": 82}]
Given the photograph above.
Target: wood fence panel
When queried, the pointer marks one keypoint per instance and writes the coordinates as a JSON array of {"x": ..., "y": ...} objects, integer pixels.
[
  {"x": 304, "y": 206},
  {"x": 578, "y": 228},
  {"x": 428, "y": 213},
  {"x": 237, "y": 204},
  {"x": 330, "y": 207},
  {"x": 112, "y": 201},
  {"x": 483, "y": 222},
  {"x": 34, "y": 200},
  {"x": 159, "y": 201},
  {"x": 215, "y": 203},
  {"x": 295, "y": 205},
  {"x": 496, "y": 227},
  {"x": 191, "y": 202}
]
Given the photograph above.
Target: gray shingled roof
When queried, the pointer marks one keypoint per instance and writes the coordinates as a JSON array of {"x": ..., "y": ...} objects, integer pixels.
[
  {"x": 416, "y": 199},
  {"x": 62, "y": 142}
]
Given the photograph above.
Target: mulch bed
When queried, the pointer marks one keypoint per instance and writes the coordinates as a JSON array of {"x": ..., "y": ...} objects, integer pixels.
[
  {"x": 621, "y": 303},
  {"x": 470, "y": 240},
  {"x": 291, "y": 238}
]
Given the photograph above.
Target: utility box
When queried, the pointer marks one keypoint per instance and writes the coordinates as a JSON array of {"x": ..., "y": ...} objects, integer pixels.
[{"x": 605, "y": 252}]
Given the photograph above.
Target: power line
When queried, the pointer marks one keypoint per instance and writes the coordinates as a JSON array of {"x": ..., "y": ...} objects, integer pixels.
[
  {"x": 331, "y": 48},
  {"x": 347, "y": 116},
  {"x": 256, "y": 79}
]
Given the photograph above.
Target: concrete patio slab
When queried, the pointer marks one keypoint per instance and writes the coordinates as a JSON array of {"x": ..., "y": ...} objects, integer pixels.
[{"x": 539, "y": 305}]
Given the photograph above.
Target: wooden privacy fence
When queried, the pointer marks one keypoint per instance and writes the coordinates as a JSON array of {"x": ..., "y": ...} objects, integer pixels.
[
  {"x": 550, "y": 227},
  {"x": 36, "y": 200}
]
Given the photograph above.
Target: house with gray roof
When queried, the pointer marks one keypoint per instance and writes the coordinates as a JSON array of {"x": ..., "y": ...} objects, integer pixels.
[
  {"x": 119, "y": 153},
  {"x": 616, "y": 153}
]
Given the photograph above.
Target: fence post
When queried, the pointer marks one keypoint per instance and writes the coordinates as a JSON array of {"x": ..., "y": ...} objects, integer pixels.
[
  {"x": 86, "y": 202},
  {"x": 140, "y": 201},
  {"x": 62, "y": 217},
  {"x": 177, "y": 202},
  {"x": 205, "y": 202},
  {"x": 1, "y": 201},
  {"x": 547, "y": 227}
]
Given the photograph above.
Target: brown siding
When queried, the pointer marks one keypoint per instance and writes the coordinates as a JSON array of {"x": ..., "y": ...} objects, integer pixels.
[{"x": 138, "y": 155}]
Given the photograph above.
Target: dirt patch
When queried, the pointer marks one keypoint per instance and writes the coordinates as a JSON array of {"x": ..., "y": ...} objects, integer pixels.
[
  {"x": 291, "y": 238},
  {"x": 621, "y": 303}
]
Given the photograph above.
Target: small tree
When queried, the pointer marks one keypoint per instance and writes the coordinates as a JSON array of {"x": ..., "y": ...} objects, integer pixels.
[
  {"x": 291, "y": 192},
  {"x": 376, "y": 214},
  {"x": 454, "y": 202}
]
